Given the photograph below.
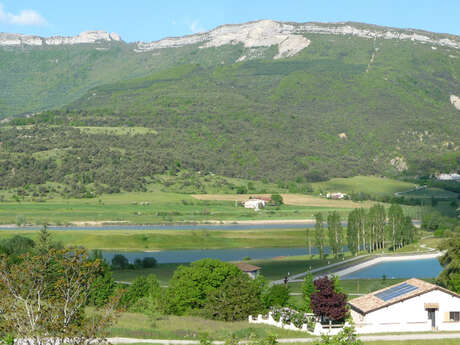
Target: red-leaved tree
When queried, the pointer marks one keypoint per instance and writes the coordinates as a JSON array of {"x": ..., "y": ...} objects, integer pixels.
[{"x": 326, "y": 302}]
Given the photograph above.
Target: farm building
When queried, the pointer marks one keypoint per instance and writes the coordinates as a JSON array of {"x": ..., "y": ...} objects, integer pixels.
[
  {"x": 411, "y": 306},
  {"x": 337, "y": 196},
  {"x": 251, "y": 270},
  {"x": 448, "y": 177},
  {"x": 255, "y": 204}
]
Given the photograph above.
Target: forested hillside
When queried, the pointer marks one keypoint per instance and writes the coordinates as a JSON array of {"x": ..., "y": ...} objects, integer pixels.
[{"x": 343, "y": 106}]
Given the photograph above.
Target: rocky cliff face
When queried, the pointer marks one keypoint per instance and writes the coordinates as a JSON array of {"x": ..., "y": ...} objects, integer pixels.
[
  {"x": 85, "y": 37},
  {"x": 290, "y": 37}
]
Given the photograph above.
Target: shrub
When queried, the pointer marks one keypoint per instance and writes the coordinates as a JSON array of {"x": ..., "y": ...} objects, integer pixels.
[
  {"x": 191, "y": 285},
  {"x": 143, "y": 287},
  {"x": 276, "y": 295},
  {"x": 326, "y": 302},
  {"x": 120, "y": 262},
  {"x": 149, "y": 262},
  {"x": 237, "y": 298},
  {"x": 276, "y": 199}
]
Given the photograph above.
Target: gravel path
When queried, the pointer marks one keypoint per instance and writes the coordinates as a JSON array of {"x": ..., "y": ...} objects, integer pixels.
[{"x": 383, "y": 337}]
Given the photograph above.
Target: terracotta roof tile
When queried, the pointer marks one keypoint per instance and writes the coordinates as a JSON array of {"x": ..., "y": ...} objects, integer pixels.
[{"x": 247, "y": 267}]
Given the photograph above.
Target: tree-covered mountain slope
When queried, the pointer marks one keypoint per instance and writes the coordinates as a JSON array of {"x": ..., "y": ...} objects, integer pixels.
[
  {"x": 39, "y": 73},
  {"x": 343, "y": 105}
]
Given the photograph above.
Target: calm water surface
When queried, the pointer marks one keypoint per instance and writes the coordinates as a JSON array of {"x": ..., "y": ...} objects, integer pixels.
[{"x": 423, "y": 268}]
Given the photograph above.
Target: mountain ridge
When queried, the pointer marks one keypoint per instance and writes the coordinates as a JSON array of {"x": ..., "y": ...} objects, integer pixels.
[{"x": 298, "y": 28}]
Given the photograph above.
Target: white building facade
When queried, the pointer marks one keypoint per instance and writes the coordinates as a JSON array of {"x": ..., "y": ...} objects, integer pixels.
[{"x": 412, "y": 306}]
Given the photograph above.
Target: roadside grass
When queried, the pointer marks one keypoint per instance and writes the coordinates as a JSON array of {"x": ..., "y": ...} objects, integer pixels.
[
  {"x": 415, "y": 342},
  {"x": 381, "y": 342},
  {"x": 135, "y": 325},
  {"x": 367, "y": 184}
]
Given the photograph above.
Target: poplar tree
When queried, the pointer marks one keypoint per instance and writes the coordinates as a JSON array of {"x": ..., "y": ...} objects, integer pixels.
[
  {"x": 308, "y": 241},
  {"x": 319, "y": 235},
  {"x": 395, "y": 220},
  {"x": 352, "y": 233},
  {"x": 335, "y": 233},
  {"x": 380, "y": 222}
]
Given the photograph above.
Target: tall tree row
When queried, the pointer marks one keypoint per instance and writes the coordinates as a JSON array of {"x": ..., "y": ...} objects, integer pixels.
[{"x": 369, "y": 230}]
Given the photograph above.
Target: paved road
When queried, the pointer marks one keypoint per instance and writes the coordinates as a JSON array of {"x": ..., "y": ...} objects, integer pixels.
[
  {"x": 297, "y": 277},
  {"x": 383, "y": 337}
]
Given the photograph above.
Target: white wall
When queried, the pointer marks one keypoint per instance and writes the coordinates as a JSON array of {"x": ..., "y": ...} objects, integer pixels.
[{"x": 410, "y": 315}]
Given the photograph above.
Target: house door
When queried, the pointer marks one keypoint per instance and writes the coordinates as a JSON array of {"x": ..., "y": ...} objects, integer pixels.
[{"x": 432, "y": 317}]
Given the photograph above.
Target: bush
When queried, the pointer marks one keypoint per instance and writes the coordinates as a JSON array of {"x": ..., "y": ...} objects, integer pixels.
[
  {"x": 102, "y": 288},
  {"x": 276, "y": 199},
  {"x": 120, "y": 262},
  {"x": 276, "y": 296},
  {"x": 149, "y": 262},
  {"x": 326, "y": 302},
  {"x": 237, "y": 298},
  {"x": 191, "y": 285},
  {"x": 143, "y": 287}
]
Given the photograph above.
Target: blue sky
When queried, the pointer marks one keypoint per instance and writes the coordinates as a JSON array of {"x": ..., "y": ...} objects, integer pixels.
[{"x": 144, "y": 20}]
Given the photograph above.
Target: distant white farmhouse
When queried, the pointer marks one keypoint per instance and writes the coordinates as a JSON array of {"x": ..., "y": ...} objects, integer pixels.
[
  {"x": 335, "y": 195},
  {"x": 411, "y": 306},
  {"x": 255, "y": 204},
  {"x": 448, "y": 177}
]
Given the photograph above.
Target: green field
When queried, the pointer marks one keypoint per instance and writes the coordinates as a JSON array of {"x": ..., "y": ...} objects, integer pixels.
[
  {"x": 373, "y": 185},
  {"x": 148, "y": 208},
  {"x": 430, "y": 192},
  {"x": 150, "y": 240}
]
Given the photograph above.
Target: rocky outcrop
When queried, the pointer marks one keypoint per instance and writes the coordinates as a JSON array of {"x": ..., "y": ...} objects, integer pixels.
[
  {"x": 264, "y": 33},
  {"x": 399, "y": 163},
  {"x": 290, "y": 37},
  {"x": 455, "y": 101},
  {"x": 84, "y": 37}
]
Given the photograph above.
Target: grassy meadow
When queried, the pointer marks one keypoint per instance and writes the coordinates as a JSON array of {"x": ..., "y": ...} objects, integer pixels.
[
  {"x": 151, "y": 240},
  {"x": 162, "y": 207},
  {"x": 374, "y": 185}
]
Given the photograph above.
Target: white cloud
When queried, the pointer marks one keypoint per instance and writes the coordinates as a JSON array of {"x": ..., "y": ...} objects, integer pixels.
[
  {"x": 25, "y": 17},
  {"x": 195, "y": 27}
]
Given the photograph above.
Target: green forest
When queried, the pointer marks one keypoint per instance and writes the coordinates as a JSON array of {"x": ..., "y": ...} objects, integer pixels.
[{"x": 326, "y": 112}]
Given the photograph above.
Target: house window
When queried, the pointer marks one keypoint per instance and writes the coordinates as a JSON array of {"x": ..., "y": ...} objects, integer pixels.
[{"x": 454, "y": 316}]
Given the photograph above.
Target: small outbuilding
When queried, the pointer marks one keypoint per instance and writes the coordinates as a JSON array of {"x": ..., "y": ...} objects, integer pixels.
[
  {"x": 251, "y": 270},
  {"x": 411, "y": 306},
  {"x": 255, "y": 204}
]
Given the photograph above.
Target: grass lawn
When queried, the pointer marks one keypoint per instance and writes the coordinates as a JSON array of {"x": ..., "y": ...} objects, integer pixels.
[
  {"x": 366, "y": 184},
  {"x": 134, "y": 325}
]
